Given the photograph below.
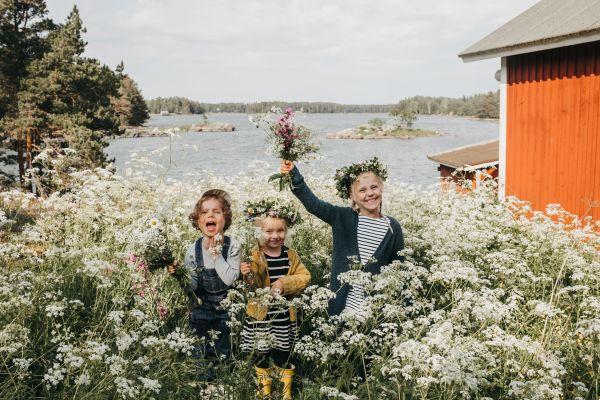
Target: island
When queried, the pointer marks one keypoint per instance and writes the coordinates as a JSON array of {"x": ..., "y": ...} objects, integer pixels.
[{"x": 377, "y": 129}]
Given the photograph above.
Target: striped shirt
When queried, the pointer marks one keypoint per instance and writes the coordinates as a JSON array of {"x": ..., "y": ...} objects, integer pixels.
[
  {"x": 370, "y": 234},
  {"x": 276, "y": 331}
]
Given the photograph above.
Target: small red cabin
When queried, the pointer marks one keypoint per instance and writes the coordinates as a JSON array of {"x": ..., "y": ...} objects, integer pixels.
[
  {"x": 549, "y": 104},
  {"x": 470, "y": 163}
]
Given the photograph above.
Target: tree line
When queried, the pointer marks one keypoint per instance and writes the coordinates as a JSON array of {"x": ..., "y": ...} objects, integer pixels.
[
  {"x": 181, "y": 105},
  {"x": 483, "y": 105},
  {"x": 52, "y": 97},
  {"x": 303, "y": 106},
  {"x": 175, "y": 105}
]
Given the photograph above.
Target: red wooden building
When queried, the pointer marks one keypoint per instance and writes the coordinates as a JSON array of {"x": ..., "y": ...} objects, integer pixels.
[
  {"x": 474, "y": 162},
  {"x": 549, "y": 104}
]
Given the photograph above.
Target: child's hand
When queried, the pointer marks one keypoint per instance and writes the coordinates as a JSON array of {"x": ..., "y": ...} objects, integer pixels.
[
  {"x": 245, "y": 268},
  {"x": 286, "y": 167},
  {"x": 277, "y": 288},
  {"x": 214, "y": 244},
  {"x": 172, "y": 268}
]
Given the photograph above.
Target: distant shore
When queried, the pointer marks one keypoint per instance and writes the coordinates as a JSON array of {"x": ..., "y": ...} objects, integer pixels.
[{"x": 473, "y": 117}]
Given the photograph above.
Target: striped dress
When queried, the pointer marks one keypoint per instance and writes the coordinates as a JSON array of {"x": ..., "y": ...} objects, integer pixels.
[
  {"x": 370, "y": 233},
  {"x": 276, "y": 331}
]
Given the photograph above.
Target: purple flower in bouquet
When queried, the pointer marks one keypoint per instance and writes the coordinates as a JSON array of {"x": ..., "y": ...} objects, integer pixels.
[{"x": 290, "y": 142}]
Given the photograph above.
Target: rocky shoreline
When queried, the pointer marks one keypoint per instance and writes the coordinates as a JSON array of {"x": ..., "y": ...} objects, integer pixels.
[{"x": 143, "y": 131}]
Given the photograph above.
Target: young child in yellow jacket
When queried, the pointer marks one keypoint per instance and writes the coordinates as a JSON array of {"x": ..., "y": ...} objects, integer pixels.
[{"x": 270, "y": 331}]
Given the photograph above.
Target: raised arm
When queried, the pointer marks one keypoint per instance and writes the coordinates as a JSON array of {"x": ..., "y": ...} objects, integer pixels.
[{"x": 319, "y": 208}]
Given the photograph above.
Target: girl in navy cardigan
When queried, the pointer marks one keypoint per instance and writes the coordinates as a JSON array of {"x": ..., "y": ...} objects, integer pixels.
[{"x": 359, "y": 231}]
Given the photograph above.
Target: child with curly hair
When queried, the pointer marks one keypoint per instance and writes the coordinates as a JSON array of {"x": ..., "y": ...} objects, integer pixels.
[{"x": 212, "y": 264}]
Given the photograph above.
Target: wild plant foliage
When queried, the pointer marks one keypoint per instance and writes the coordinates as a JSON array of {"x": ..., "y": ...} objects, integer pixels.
[{"x": 492, "y": 301}]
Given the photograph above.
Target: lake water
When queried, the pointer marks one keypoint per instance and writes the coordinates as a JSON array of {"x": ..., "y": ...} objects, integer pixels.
[{"x": 230, "y": 153}]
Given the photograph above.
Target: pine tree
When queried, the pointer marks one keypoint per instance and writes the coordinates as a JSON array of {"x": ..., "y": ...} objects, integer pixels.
[
  {"x": 489, "y": 105},
  {"x": 66, "y": 100},
  {"x": 130, "y": 106},
  {"x": 23, "y": 28}
]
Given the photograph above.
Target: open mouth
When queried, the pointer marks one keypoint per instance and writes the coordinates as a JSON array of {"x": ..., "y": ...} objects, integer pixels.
[{"x": 211, "y": 226}]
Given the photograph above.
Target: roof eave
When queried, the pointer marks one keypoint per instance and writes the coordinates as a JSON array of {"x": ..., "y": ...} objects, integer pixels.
[
  {"x": 444, "y": 163},
  {"x": 467, "y": 167},
  {"x": 546, "y": 44},
  {"x": 470, "y": 168}
]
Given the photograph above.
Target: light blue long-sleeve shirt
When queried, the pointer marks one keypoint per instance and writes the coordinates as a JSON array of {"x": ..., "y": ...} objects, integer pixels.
[{"x": 228, "y": 270}]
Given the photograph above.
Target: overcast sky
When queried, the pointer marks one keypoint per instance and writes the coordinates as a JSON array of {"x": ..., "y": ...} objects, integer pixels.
[{"x": 346, "y": 51}]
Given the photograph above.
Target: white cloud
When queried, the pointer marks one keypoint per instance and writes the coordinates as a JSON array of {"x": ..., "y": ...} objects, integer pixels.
[{"x": 244, "y": 50}]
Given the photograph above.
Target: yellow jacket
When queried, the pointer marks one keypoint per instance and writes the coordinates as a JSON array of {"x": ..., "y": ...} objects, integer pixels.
[{"x": 294, "y": 282}]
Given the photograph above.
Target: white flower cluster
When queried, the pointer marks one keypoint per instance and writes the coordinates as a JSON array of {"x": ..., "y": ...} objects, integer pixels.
[{"x": 333, "y": 393}]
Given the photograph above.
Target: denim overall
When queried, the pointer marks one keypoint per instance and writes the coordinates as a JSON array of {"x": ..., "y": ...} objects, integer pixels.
[{"x": 208, "y": 315}]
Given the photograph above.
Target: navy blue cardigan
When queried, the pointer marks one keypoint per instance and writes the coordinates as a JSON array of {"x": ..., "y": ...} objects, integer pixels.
[{"x": 344, "y": 223}]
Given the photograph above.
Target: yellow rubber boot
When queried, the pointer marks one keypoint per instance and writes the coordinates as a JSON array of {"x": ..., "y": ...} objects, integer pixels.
[
  {"x": 287, "y": 376},
  {"x": 264, "y": 382}
]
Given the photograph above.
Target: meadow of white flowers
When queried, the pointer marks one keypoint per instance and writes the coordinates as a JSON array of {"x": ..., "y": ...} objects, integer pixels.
[{"x": 493, "y": 300}]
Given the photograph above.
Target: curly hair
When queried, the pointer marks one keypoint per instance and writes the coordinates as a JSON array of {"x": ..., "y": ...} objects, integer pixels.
[{"x": 217, "y": 194}]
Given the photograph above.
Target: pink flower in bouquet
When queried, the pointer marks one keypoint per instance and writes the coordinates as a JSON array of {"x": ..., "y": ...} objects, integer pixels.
[
  {"x": 142, "y": 266},
  {"x": 162, "y": 310},
  {"x": 131, "y": 259},
  {"x": 290, "y": 142}
]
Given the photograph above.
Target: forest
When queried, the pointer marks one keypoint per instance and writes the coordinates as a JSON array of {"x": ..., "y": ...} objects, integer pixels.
[{"x": 53, "y": 98}]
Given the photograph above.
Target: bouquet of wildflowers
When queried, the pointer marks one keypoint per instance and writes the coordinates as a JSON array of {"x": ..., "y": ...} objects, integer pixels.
[
  {"x": 249, "y": 242},
  {"x": 156, "y": 253},
  {"x": 250, "y": 239},
  {"x": 155, "y": 250},
  {"x": 290, "y": 142}
]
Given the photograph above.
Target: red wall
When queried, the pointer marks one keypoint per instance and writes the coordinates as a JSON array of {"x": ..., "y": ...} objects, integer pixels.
[{"x": 552, "y": 132}]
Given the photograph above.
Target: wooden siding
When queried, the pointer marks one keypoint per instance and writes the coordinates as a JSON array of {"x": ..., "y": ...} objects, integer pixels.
[{"x": 552, "y": 132}]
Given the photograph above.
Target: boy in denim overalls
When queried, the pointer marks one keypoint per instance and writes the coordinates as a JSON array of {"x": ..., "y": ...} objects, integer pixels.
[{"x": 213, "y": 265}]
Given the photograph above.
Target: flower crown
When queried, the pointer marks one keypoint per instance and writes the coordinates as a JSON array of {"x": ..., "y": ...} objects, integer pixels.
[
  {"x": 272, "y": 208},
  {"x": 345, "y": 176}
]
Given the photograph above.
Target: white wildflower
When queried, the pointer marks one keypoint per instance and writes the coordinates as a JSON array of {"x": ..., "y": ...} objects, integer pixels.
[
  {"x": 151, "y": 385},
  {"x": 126, "y": 388},
  {"x": 55, "y": 375},
  {"x": 83, "y": 379}
]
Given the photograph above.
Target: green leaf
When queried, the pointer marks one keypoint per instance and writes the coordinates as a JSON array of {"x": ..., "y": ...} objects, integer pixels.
[{"x": 275, "y": 176}]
